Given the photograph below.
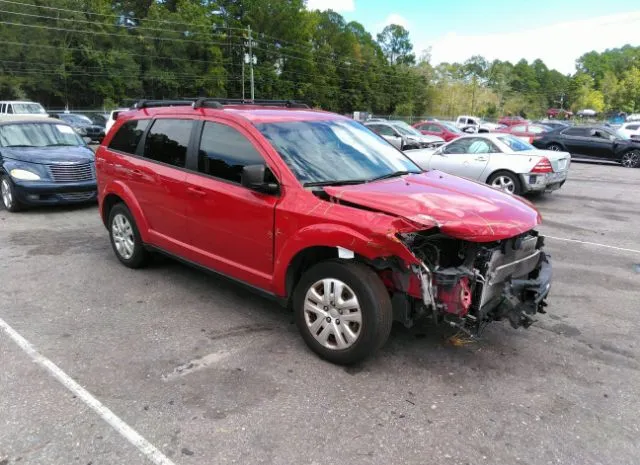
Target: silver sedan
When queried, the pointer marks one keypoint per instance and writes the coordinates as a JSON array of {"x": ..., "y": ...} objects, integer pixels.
[{"x": 500, "y": 160}]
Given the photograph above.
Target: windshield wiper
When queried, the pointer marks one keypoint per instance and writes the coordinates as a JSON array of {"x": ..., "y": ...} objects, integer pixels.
[
  {"x": 19, "y": 145},
  {"x": 334, "y": 183},
  {"x": 395, "y": 174},
  {"x": 61, "y": 145}
]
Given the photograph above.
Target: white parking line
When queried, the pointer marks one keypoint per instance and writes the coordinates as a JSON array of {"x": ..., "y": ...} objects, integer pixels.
[
  {"x": 592, "y": 243},
  {"x": 144, "y": 446}
]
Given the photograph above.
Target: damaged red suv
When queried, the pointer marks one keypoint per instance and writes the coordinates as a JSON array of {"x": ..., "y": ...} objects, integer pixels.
[{"x": 315, "y": 210}]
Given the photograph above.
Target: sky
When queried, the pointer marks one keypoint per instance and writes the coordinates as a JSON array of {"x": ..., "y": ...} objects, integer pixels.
[{"x": 556, "y": 31}]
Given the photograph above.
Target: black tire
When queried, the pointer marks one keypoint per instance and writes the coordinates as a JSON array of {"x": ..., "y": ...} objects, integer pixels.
[
  {"x": 555, "y": 148},
  {"x": 14, "y": 204},
  {"x": 375, "y": 307},
  {"x": 507, "y": 174},
  {"x": 630, "y": 159},
  {"x": 140, "y": 256}
]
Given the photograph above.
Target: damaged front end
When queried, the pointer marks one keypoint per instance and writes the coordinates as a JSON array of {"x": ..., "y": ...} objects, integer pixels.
[{"x": 468, "y": 285}]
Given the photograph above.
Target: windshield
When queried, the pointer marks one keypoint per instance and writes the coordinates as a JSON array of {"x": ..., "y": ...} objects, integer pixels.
[
  {"x": 406, "y": 129},
  {"x": 31, "y": 108},
  {"x": 334, "y": 151},
  {"x": 452, "y": 128},
  {"x": 75, "y": 119},
  {"x": 37, "y": 135},
  {"x": 515, "y": 144}
]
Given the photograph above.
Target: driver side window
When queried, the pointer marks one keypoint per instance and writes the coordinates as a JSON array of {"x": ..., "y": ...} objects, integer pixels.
[
  {"x": 386, "y": 131},
  {"x": 457, "y": 147}
]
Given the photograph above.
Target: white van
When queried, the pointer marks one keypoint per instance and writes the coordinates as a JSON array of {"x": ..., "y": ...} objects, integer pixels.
[{"x": 16, "y": 107}]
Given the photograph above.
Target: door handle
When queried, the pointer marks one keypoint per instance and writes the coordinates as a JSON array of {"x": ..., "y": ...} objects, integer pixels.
[
  {"x": 196, "y": 191},
  {"x": 136, "y": 173},
  {"x": 481, "y": 158}
]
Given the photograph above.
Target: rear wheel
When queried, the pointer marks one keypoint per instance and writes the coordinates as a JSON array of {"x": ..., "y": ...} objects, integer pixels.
[
  {"x": 506, "y": 181},
  {"x": 343, "y": 311},
  {"x": 631, "y": 159},
  {"x": 8, "y": 194},
  {"x": 125, "y": 238},
  {"x": 554, "y": 147}
]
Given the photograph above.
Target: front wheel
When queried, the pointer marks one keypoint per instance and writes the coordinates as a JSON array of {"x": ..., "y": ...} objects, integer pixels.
[
  {"x": 506, "y": 181},
  {"x": 631, "y": 159},
  {"x": 8, "y": 194},
  {"x": 554, "y": 148},
  {"x": 343, "y": 311}
]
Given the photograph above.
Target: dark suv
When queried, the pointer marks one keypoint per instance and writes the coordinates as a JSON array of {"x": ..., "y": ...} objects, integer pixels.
[{"x": 318, "y": 212}]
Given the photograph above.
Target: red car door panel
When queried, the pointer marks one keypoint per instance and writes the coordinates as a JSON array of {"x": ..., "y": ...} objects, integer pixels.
[
  {"x": 158, "y": 181},
  {"x": 231, "y": 227}
]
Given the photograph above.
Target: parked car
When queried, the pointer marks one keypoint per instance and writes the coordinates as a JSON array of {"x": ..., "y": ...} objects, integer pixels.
[
  {"x": 19, "y": 107},
  {"x": 113, "y": 115},
  {"x": 472, "y": 124},
  {"x": 630, "y": 130},
  {"x": 593, "y": 142},
  {"x": 526, "y": 132},
  {"x": 82, "y": 125},
  {"x": 500, "y": 160},
  {"x": 512, "y": 120},
  {"x": 43, "y": 162},
  {"x": 99, "y": 119},
  {"x": 316, "y": 211},
  {"x": 446, "y": 131},
  {"x": 403, "y": 136}
]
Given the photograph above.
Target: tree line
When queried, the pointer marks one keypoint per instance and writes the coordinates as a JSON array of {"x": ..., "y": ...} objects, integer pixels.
[{"x": 108, "y": 53}]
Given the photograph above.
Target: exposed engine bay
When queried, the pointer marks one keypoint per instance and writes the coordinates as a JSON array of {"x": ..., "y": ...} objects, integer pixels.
[{"x": 467, "y": 285}]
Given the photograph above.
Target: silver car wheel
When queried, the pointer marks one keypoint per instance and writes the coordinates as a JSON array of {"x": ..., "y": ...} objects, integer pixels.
[
  {"x": 631, "y": 159},
  {"x": 554, "y": 148},
  {"x": 332, "y": 314},
  {"x": 7, "y": 196},
  {"x": 123, "y": 238},
  {"x": 504, "y": 183}
]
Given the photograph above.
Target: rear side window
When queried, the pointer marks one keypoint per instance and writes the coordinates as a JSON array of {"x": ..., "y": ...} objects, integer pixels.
[
  {"x": 128, "y": 136},
  {"x": 633, "y": 127},
  {"x": 224, "y": 152},
  {"x": 167, "y": 141},
  {"x": 575, "y": 132},
  {"x": 9, "y": 108}
]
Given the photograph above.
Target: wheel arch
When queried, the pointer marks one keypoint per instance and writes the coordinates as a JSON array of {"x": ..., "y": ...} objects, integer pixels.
[{"x": 120, "y": 193}]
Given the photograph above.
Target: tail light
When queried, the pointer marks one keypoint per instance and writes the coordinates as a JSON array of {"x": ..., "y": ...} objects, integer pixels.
[{"x": 543, "y": 166}]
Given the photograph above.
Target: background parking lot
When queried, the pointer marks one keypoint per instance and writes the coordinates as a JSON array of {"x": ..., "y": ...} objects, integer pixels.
[{"x": 209, "y": 373}]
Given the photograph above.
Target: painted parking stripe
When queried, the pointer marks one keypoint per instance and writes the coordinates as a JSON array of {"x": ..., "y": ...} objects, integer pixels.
[
  {"x": 144, "y": 446},
  {"x": 592, "y": 243}
]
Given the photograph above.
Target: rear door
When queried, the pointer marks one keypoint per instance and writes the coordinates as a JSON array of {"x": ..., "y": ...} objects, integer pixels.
[
  {"x": 158, "y": 181},
  {"x": 231, "y": 227},
  {"x": 576, "y": 141}
]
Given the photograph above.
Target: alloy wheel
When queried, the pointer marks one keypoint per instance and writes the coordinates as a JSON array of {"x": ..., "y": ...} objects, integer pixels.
[
  {"x": 7, "y": 196},
  {"x": 332, "y": 314},
  {"x": 504, "y": 183},
  {"x": 554, "y": 148},
  {"x": 123, "y": 237},
  {"x": 631, "y": 159}
]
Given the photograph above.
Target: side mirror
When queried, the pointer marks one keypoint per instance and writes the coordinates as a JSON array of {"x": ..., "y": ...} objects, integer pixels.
[
  {"x": 87, "y": 140},
  {"x": 254, "y": 177},
  {"x": 469, "y": 130}
]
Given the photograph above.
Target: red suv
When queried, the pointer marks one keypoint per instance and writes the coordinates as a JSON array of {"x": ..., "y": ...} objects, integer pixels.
[{"x": 317, "y": 211}]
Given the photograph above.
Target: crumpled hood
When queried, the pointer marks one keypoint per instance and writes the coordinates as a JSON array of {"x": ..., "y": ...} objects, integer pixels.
[
  {"x": 460, "y": 208},
  {"x": 49, "y": 155}
]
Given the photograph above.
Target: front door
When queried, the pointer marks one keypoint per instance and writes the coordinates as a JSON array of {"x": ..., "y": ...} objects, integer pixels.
[
  {"x": 466, "y": 157},
  {"x": 231, "y": 227},
  {"x": 601, "y": 145}
]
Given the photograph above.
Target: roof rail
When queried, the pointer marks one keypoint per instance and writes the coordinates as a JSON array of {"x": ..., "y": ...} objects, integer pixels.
[
  {"x": 160, "y": 103},
  {"x": 204, "y": 102}
]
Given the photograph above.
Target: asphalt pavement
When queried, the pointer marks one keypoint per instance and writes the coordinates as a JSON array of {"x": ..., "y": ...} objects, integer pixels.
[{"x": 208, "y": 373}]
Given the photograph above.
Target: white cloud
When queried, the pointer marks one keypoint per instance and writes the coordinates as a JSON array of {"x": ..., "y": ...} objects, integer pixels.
[
  {"x": 558, "y": 45},
  {"x": 395, "y": 18},
  {"x": 339, "y": 6}
]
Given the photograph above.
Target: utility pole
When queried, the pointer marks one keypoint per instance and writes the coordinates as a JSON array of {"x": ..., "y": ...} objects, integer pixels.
[
  {"x": 251, "y": 63},
  {"x": 243, "y": 58}
]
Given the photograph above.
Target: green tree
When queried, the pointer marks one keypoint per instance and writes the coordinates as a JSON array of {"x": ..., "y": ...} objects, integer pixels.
[{"x": 396, "y": 45}]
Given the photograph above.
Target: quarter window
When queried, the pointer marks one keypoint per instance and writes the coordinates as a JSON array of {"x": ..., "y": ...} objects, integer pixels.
[
  {"x": 128, "y": 136},
  {"x": 224, "y": 152},
  {"x": 167, "y": 141}
]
